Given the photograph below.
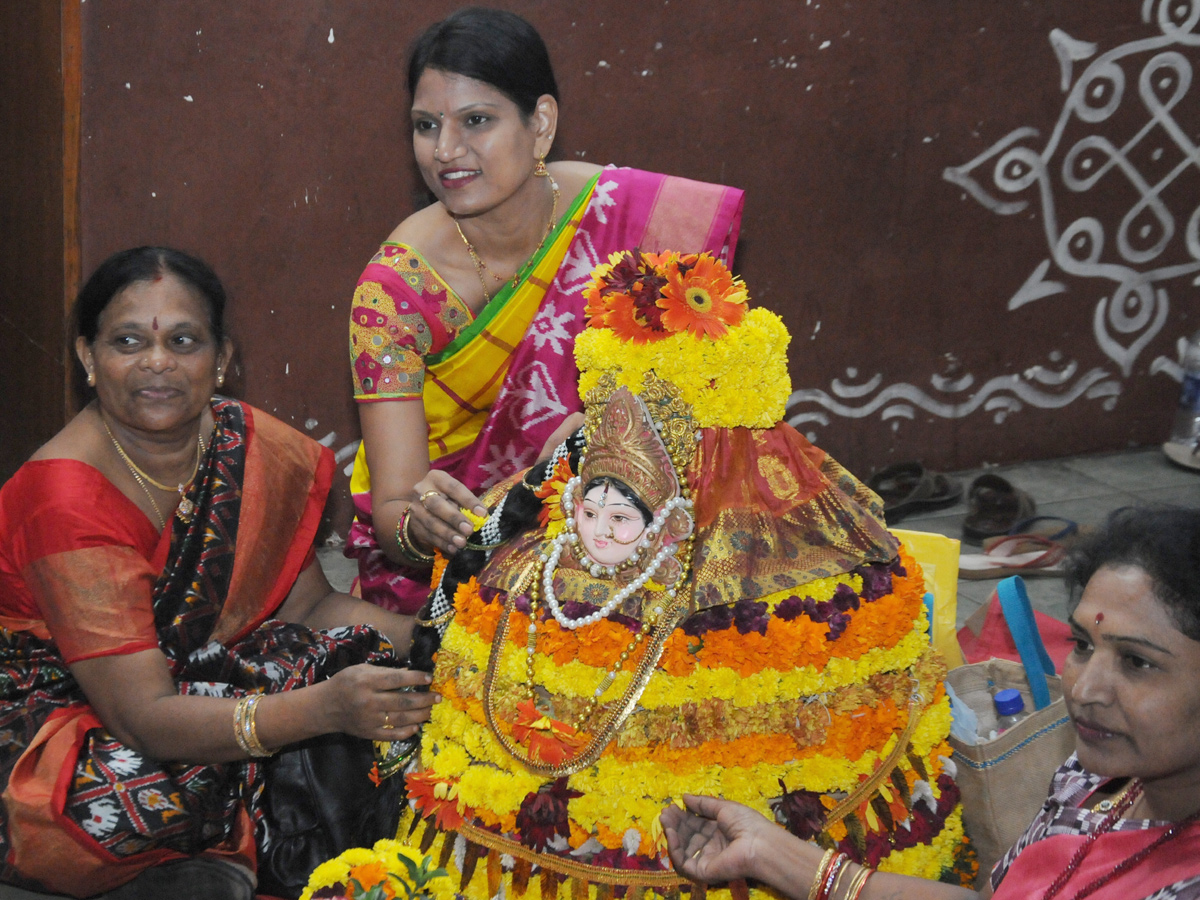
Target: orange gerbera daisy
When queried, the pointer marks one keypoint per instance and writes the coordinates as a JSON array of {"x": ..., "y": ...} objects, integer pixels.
[{"x": 703, "y": 300}]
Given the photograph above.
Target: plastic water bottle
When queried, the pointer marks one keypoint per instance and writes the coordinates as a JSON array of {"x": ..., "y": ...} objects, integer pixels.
[
  {"x": 1181, "y": 446},
  {"x": 1010, "y": 709}
]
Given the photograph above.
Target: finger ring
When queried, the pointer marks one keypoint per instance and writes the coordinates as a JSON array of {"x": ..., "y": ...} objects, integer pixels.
[
  {"x": 697, "y": 853},
  {"x": 425, "y": 496},
  {"x": 387, "y": 722}
]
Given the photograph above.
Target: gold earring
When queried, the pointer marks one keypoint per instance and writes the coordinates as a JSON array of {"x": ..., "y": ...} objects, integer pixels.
[
  {"x": 540, "y": 169},
  {"x": 220, "y": 378},
  {"x": 91, "y": 379}
]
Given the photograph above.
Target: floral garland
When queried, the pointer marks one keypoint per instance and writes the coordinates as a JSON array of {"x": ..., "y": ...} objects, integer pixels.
[
  {"x": 803, "y": 692},
  {"x": 386, "y": 871},
  {"x": 685, "y": 318}
]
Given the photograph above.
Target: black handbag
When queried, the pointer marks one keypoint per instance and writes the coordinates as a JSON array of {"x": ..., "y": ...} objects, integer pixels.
[{"x": 318, "y": 802}]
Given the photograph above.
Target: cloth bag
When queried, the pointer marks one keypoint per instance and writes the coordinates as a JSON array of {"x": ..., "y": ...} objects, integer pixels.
[
  {"x": 1005, "y": 781},
  {"x": 319, "y": 801}
]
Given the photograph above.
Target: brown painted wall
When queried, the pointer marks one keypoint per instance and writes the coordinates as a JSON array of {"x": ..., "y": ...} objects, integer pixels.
[
  {"x": 31, "y": 229},
  {"x": 273, "y": 143}
]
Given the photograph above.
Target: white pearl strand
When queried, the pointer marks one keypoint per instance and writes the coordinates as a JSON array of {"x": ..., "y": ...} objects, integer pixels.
[{"x": 569, "y": 536}]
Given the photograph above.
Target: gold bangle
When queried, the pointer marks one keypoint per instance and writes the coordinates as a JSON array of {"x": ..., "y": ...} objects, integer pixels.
[
  {"x": 859, "y": 883},
  {"x": 252, "y": 737},
  {"x": 815, "y": 889},
  {"x": 837, "y": 882},
  {"x": 408, "y": 547},
  {"x": 245, "y": 730},
  {"x": 239, "y": 734}
]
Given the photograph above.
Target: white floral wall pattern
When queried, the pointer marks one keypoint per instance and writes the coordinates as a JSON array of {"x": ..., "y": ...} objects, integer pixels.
[{"x": 1119, "y": 134}]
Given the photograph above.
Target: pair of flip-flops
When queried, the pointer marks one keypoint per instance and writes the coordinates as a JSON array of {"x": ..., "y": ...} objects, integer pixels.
[
  {"x": 1038, "y": 547},
  {"x": 908, "y": 487},
  {"x": 994, "y": 507}
]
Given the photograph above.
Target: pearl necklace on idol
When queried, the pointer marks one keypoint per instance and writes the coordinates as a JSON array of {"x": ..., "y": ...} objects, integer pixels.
[{"x": 553, "y": 554}]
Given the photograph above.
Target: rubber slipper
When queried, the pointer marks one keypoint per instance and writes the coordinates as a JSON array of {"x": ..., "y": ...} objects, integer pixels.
[
  {"x": 994, "y": 507},
  {"x": 1052, "y": 528},
  {"x": 908, "y": 486},
  {"x": 1021, "y": 554}
]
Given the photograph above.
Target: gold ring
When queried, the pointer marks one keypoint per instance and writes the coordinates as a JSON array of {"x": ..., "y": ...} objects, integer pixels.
[
  {"x": 387, "y": 722},
  {"x": 425, "y": 496},
  {"x": 697, "y": 853}
]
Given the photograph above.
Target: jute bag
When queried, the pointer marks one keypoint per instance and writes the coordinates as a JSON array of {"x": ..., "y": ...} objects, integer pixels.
[{"x": 1005, "y": 781}]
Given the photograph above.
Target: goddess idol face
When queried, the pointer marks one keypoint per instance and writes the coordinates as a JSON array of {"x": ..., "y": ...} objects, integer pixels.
[{"x": 609, "y": 524}]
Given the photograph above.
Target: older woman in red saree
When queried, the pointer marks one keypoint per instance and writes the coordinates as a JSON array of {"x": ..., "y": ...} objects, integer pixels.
[{"x": 165, "y": 627}]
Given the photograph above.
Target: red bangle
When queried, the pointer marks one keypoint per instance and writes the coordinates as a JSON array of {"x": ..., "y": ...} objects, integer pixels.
[{"x": 826, "y": 888}]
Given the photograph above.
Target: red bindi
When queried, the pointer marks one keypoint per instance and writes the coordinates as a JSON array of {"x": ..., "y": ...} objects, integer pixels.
[
  {"x": 1099, "y": 618},
  {"x": 154, "y": 324}
]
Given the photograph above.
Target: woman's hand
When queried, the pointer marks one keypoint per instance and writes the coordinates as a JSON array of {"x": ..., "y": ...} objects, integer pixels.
[
  {"x": 713, "y": 841},
  {"x": 436, "y": 513},
  {"x": 378, "y": 703},
  {"x": 568, "y": 427}
]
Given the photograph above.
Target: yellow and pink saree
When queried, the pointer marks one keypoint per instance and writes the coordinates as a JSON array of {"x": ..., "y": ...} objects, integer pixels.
[{"x": 496, "y": 386}]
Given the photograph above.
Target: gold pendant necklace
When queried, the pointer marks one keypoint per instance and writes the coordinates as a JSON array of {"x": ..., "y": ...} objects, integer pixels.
[
  {"x": 185, "y": 508},
  {"x": 481, "y": 267}
]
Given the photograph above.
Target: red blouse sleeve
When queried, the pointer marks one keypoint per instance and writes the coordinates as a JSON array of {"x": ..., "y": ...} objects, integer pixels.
[{"x": 76, "y": 554}]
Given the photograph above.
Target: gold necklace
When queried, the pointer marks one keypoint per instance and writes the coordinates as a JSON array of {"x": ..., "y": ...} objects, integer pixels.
[
  {"x": 653, "y": 633},
  {"x": 185, "y": 507},
  {"x": 481, "y": 267}
]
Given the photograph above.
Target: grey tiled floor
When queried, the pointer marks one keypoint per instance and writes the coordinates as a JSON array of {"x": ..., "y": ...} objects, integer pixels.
[{"x": 1084, "y": 489}]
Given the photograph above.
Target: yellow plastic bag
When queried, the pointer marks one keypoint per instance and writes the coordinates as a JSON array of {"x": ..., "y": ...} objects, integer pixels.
[{"x": 938, "y": 556}]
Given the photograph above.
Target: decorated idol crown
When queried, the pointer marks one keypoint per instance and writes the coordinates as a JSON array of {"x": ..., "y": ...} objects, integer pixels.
[{"x": 683, "y": 319}]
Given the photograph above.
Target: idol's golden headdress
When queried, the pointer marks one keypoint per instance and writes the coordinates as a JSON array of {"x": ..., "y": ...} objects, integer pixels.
[{"x": 626, "y": 446}]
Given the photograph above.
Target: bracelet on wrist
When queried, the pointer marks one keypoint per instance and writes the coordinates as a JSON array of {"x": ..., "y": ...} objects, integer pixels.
[
  {"x": 245, "y": 728},
  {"x": 408, "y": 547}
]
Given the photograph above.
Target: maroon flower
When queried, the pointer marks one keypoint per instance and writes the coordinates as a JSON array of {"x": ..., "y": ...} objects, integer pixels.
[
  {"x": 543, "y": 814},
  {"x": 801, "y": 812},
  {"x": 750, "y": 615},
  {"x": 877, "y": 580},
  {"x": 791, "y": 608},
  {"x": 715, "y": 618}
]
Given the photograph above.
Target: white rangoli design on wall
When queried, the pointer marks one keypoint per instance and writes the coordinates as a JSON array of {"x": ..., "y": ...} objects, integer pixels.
[{"x": 1122, "y": 141}]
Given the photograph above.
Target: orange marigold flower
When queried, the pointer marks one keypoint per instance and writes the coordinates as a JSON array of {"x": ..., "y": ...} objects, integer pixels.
[
  {"x": 370, "y": 875},
  {"x": 703, "y": 300}
]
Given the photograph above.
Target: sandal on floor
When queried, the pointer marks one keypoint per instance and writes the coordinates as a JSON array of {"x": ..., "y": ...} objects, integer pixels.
[
  {"x": 994, "y": 507},
  {"x": 908, "y": 486},
  {"x": 1052, "y": 528},
  {"x": 1017, "y": 554}
]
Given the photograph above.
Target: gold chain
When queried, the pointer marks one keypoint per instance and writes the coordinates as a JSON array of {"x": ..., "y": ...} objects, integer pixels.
[
  {"x": 481, "y": 267},
  {"x": 660, "y": 629},
  {"x": 185, "y": 507}
]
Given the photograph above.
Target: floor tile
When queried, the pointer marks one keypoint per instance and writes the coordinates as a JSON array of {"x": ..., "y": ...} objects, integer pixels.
[
  {"x": 339, "y": 570},
  {"x": 1181, "y": 495},
  {"x": 1047, "y": 482},
  {"x": 1135, "y": 470}
]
